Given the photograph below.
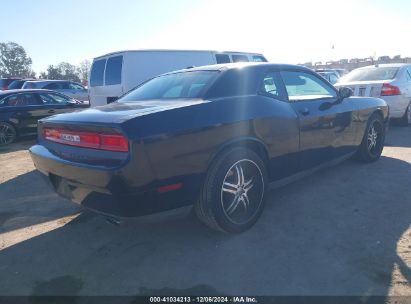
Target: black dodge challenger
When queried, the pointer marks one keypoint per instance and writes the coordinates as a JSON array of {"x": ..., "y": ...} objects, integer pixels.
[{"x": 215, "y": 136}]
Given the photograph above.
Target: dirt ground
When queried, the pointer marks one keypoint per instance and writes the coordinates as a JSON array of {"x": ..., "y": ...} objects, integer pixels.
[{"x": 342, "y": 231}]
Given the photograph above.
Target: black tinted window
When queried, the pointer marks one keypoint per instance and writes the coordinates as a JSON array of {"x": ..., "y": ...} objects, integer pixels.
[
  {"x": 240, "y": 58},
  {"x": 235, "y": 82},
  {"x": 259, "y": 59},
  {"x": 113, "y": 70},
  {"x": 222, "y": 58},
  {"x": 49, "y": 98},
  {"x": 56, "y": 86},
  {"x": 97, "y": 73},
  {"x": 19, "y": 100},
  {"x": 179, "y": 85},
  {"x": 16, "y": 84},
  {"x": 76, "y": 86}
]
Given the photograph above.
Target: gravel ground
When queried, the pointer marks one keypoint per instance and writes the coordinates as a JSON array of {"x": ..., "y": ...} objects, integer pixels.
[{"x": 342, "y": 231}]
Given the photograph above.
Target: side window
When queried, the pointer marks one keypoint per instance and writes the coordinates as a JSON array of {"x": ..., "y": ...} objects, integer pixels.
[
  {"x": 56, "y": 86},
  {"x": 19, "y": 100},
  {"x": 53, "y": 98},
  {"x": 408, "y": 75},
  {"x": 76, "y": 86},
  {"x": 259, "y": 59},
  {"x": 173, "y": 92},
  {"x": 222, "y": 58},
  {"x": 113, "y": 70},
  {"x": 270, "y": 85},
  {"x": 11, "y": 100},
  {"x": 333, "y": 79},
  {"x": 305, "y": 86},
  {"x": 97, "y": 73},
  {"x": 240, "y": 58}
]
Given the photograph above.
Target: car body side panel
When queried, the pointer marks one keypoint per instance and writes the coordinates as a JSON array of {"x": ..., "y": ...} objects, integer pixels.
[{"x": 199, "y": 133}]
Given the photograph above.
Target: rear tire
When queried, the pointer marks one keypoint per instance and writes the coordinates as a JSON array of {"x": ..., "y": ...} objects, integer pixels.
[
  {"x": 405, "y": 120},
  {"x": 233, "y": 194},
  {"x": 373, "y": 141},
  {"x": 8, "y": 133}
]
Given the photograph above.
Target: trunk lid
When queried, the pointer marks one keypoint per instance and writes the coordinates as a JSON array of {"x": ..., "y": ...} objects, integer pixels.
[
  {"x": 365, "y": 88},
  {"x": 118, "y": 112}
]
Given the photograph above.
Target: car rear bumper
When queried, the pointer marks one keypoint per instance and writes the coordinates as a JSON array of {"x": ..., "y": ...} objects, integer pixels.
[
  {"x": 106, "y": 190},
  {"x": 397, "y": 104}
]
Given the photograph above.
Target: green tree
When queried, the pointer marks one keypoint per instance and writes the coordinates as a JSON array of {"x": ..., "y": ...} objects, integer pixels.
[
  {"x": 63, "y": 71},
  {"x": 84, "y": 70},
  {"x": 14, "y": 61},
  {"x": 68, "y": 71}
]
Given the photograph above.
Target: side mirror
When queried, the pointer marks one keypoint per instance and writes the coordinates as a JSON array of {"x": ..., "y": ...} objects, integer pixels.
[{"x": 345, "y": 92}]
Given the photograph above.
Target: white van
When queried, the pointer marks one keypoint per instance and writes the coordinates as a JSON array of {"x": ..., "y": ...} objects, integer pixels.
[{"x": 114, "y": 74}]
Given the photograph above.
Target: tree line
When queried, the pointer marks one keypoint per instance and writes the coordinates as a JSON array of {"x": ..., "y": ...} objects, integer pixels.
[{"x": 14, "y": 62}]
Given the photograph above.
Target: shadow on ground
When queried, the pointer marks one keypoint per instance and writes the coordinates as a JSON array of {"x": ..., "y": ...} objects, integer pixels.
[
  {"x": 334, "y": 233},
  {"x": 396, "y": 138},
  {"x": 27, "y": 200},
  {"x": 20, "y": 144}
]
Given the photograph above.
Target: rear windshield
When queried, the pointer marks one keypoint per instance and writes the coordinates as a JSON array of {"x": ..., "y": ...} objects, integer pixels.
[
  {"x": 371, "y": 74},
  {"x": 16, "y": 84},
  {"x": 97, "y": 73},
  {"x": 113, "y": 70},
  {"x": 5, "y": 82},
  {"x": 259, "y": 59},
  {"x": 239, "y": 58},
  {"x": 29, "y": 85},
  {"x": 172, "y": 86}
]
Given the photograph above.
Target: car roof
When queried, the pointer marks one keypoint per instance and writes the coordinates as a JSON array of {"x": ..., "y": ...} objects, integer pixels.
[
  {"x": 177, "y": 50},
  {"x": 326, "y": 72},
  {"x": 242, "y": 65},
  {"x": 8, "y": 92},
  {"x": 47, "y": 80}
]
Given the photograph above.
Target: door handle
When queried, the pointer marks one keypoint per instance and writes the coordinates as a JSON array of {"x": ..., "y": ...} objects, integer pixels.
[
  {"x": 304, "y": 111},
  {"x": 51, "y": 111}
]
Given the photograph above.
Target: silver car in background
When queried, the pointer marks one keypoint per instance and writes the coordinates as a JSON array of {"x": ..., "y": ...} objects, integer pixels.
[
  {"x": 331, "y": 77},
  {"x": 391, "y": 82},
  {"x": 68, "y": 88}
]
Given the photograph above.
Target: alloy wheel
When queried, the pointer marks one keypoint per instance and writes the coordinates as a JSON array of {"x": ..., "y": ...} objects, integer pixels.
[
  {"x": 242, "y": 191},
  {"x": 374, "y": 137},
  {"x": 7, "y": 134}
]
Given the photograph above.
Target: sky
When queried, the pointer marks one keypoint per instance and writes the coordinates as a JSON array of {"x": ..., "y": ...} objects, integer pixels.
[{"x": 285, "y": 31}]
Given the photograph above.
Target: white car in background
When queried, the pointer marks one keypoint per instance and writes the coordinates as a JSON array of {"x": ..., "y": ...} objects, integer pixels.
[
  {"x": 391, "y": 82},
  {"x": 114, "y": 74}
]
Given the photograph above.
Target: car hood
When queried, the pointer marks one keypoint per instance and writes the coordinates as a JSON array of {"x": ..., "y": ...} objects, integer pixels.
[{"x": 118, "y": 112}]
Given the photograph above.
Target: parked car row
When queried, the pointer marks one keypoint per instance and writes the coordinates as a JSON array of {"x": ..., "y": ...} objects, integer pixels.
[{"x": 70, "y": 88}]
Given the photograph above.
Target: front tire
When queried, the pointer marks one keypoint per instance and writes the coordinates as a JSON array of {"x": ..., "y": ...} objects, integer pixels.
[
  {"x": 233, "y": 194},
  {"x": 405, "y": 120},
  {"x": 8, "y": 133},
  {"x": 373, "y": 141}
]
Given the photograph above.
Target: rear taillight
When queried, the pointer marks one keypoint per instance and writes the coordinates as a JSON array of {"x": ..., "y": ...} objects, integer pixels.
[
  {"x": 389, "y": 90},
  {"x": 93, "y": 140},
  {"x": 5, "y": 87}
]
